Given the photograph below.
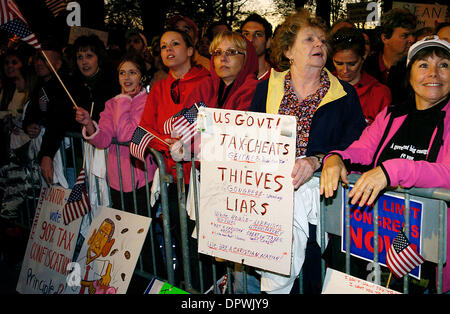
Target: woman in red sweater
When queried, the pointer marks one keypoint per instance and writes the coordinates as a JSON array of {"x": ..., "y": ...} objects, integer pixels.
[{"x": 166, "y": 98}]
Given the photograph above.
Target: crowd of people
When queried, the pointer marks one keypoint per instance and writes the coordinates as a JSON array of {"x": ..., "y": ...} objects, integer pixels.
[{"x": 354, "y": 95}]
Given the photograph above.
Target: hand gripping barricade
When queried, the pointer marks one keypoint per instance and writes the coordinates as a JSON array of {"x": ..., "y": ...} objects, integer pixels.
[{"x": 433, "y": 230}]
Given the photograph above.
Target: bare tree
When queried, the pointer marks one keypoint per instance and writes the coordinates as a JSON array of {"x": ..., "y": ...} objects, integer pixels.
[{"x": 144, "y": 14}]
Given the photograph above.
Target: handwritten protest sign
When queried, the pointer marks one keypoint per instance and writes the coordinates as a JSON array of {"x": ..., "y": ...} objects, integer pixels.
[
  {"x": 391, "y": 220},
  {"x": 246, "y": 191},
  {"x": 427, "y": 14},
  {"x": 77, "y": 31},
  {"x": 337, "y": 282},
  {"x": 109, "y": 253},
  {"x": 50, "y": 247}
]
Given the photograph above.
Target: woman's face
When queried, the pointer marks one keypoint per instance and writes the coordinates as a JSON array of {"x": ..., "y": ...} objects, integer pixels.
[
  {"x": 430, "y": 80},
  {"x": 11, "y": 66},
  {"x": 129, "y": 78},
  {"x": 228, "y": 67},
  {"x": 309, "y": 49},
  {"x": 348, "y": 65},
  {"x": 87, "y": 62},
  {"x": 174, "y": 51}
]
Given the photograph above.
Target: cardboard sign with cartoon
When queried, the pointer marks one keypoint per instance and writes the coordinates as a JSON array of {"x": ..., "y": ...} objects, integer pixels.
[{"x": 109, "y": 253}]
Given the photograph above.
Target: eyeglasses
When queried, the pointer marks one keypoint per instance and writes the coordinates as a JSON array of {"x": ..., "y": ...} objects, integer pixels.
[
  {"x": 229, "y": 52},
  {"x": 175, "y": 91}
]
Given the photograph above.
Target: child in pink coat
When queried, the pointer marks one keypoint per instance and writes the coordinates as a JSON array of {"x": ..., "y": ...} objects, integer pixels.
[{"x": 119, "y": 120}]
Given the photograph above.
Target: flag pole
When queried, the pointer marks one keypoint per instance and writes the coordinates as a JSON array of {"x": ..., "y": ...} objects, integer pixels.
[
  {"x": 389, "y": 279},
  {"x": 85, "y": 142},
  {"x": 155, "y": 136},
  {"x": 56, "y": 73}
]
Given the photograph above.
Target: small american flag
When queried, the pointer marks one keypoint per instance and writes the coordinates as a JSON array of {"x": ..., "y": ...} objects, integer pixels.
[
  {"x": 56, "y": 6},
  {"x": 78, "y": 203},
  {"x": 401, "y": 258},
  {"x": 12, "y": 21},
  {"x": 184, "y": 123},
  {"x": 139, "y": 143}
]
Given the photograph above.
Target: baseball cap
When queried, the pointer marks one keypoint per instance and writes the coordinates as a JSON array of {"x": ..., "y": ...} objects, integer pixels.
[{"x": 428, "y": 41}]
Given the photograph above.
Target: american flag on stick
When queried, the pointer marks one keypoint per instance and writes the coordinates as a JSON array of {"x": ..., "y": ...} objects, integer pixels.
[
  {"x": 184, "y": 123},
  {"x": 139, "y": 142},
  {"x": 78, "y": 203},
  {"x": 12, "y": 21},
  {"x": 401, "y": 258}
]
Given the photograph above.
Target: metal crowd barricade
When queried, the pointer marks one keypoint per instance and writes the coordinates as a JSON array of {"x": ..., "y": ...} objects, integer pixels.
[
  {"x": 435, "y": 229},
  {"x": 434, "y": 226}
]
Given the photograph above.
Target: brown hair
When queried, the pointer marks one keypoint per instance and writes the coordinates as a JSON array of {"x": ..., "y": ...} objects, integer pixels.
[
  {"x": 187, "y": 40},
  {"x": 287, "y": 33}
]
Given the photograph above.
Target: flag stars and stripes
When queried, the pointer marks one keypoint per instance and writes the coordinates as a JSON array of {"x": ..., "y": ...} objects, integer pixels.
[
  {"x": 401, "y": 258},
  {"x": 184, "y": 123},
  {"x": 78, "y": 203},
  {"x": 56, "y": 6},
  {"x": 12, "y": 21},
  {"x": 139, "y": 143}
]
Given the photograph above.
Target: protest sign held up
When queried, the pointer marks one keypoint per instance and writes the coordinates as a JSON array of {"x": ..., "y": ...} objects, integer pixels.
[{"x": 246, "y": 191}]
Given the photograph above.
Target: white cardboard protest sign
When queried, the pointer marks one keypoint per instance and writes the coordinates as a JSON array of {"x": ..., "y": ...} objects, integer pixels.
[
  {"x": 246, "y": 191},
  {"x": 337, "y": 282},
  {"x": 109, "y": 253},
  {"x": 50, "y": 247}
]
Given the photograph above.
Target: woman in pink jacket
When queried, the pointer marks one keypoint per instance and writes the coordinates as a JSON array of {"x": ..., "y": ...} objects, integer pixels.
[
  {"x": 408, "y": 144},
  {"x": 119, "y": 120}
]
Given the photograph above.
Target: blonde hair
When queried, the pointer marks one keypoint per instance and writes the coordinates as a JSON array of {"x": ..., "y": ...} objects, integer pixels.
[
  {"x": 236, "y": 39},
  {"x": 287, "y": 33}
]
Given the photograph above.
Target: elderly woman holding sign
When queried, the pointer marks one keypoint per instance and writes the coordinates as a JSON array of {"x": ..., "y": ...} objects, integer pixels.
[
  {"x": 329, "y": 116},
  {"x": 408, "y": 143}
]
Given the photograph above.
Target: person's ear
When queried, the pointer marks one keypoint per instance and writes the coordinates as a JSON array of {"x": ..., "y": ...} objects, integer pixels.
[{"x": 190, "y": 51}]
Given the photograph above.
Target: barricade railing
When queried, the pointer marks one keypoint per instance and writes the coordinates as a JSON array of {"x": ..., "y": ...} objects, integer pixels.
[
  {"x": 434, "y": 225},
  {"x": 330, "y": 218}
]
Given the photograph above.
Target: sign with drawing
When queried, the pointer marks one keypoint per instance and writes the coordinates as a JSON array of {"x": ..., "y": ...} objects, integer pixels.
[
  {"x": 246, "y": 191},
  {"x": 109, "y": 253}
]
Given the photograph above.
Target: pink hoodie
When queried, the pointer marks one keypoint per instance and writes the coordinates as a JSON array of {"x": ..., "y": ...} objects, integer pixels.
[
  {"x": 120, "y": 119},
  {"x": 403, "y": 172}
]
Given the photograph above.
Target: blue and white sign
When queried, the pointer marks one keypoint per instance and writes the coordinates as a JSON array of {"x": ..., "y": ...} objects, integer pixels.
[{"x": 391, "y": 220}]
